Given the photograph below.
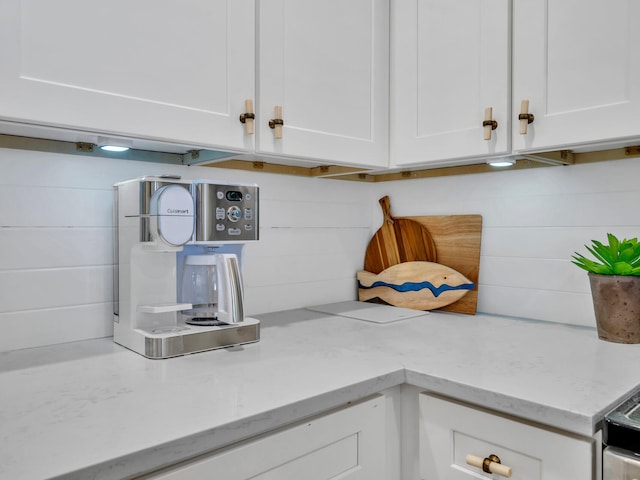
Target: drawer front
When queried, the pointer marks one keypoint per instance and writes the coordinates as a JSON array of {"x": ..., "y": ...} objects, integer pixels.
[
  {"x": 348, "y": 444},
  {"x": 449, "y": 432}
]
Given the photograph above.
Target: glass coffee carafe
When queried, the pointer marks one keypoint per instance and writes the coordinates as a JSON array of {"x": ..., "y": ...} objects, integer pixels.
[{"x": 200, "y": 287}]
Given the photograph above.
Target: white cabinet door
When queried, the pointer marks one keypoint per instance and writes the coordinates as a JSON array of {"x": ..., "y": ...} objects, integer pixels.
[
  {"x": 578, "y": 64},
  {"x": 451, "y": 431},
  {"x": 348, "y": 444},
  {"x": 449, "y": 62},
  {"x": 326, "y": 64},
  {"x": 176, "y": 71}
]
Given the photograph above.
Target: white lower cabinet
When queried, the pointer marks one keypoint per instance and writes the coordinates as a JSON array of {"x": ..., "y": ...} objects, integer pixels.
[
  {"x": 348, "y": 444},
  {"x": 450, "y": 431},
  {"x": 399, "y": 435}
]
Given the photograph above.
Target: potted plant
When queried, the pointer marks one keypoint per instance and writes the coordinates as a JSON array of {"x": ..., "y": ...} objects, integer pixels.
[{"x": 614, "y": 276}]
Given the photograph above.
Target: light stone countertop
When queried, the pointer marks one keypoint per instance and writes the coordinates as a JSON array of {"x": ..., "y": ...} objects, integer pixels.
[{"x": 93, "y": 409}]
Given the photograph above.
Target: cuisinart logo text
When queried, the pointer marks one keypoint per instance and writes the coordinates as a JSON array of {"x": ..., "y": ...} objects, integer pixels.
[{"x": 178, "y": 211}]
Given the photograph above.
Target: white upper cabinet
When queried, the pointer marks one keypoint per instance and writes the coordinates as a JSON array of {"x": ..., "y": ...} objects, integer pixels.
[
  {"x": 578, "y": 64},
  {"x": 450, "y": 61},
  {"x": 176, "y": 71},
  {"x": 326, "y": 64},
  {"x": 366, "y": 83}
]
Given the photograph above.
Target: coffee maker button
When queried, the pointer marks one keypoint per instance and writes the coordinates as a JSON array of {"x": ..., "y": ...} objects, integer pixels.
[
  {"x": 248, "y": 227},
  {"x": 220, "y": 227},
  {"x": 235, "y": 231},
  {"x": 234, "y": 214},
  {"x": 220, "y": 213},
  {"x": 220, "y": 195},
  {"x": 248, "y": 214}
]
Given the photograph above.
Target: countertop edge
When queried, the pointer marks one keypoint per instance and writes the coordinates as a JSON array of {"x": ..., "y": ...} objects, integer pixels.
[
  {"x": 186, "y": 448},
  {"x": 544, "y": 415}
]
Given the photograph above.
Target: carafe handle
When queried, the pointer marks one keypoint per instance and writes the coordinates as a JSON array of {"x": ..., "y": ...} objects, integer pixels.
[{"x": 232, "y": 283}]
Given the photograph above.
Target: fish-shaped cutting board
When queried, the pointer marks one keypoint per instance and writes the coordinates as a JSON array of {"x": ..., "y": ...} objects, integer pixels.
[{"x": 416, "y": 285}]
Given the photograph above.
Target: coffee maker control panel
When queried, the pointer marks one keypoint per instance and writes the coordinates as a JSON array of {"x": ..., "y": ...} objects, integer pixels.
[{"x": 225, "y": 213}]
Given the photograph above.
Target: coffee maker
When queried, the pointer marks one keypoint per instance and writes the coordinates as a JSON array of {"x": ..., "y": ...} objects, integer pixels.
[{"x": 178, "y": 250}]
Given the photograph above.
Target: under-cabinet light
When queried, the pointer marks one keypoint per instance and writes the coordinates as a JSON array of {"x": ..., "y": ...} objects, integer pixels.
[
  {"x": 114, "y": 148},
  {"x": 502, "y": 162},
  {"x": 114, "y": 144}
]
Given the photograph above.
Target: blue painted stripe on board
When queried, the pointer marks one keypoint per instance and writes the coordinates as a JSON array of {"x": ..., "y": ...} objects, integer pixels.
[{"x": 416, "y": 287}]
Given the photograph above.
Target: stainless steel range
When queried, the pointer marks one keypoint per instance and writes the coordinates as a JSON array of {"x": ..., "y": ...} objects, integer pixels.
[{"x": 621, "y": 458}]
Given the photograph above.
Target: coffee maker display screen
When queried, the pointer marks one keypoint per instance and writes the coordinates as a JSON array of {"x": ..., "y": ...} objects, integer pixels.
[{"x": 234, "y": 196}]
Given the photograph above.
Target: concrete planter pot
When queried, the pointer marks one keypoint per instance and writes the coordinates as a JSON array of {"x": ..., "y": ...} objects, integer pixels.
[{"x": 616, "y": 302}]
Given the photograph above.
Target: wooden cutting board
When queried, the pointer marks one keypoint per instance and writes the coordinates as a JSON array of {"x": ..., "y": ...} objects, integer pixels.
[
  {"x": 457, "y": 239},
  {"x": 399, "y": 239},
  {"x": 417, "y": 285}
]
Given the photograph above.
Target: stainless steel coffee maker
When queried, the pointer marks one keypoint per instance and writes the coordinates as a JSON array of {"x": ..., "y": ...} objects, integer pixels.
[{"x": 178, "y": 286}]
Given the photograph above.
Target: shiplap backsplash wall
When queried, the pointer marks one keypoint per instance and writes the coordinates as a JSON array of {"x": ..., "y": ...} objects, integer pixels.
[
  {"x": 533, "y": 221},
  {"x": 56, "y": 237},
  {"x": 56, "y": 258}
]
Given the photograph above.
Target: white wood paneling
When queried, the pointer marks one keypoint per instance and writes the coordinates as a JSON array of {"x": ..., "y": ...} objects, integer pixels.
[
  {"x": 552, "y": 274},
  {"x": 547, "y": 305},
  {"x": 56, "y": 247},
  {"x": 271, "y": 298},
  {"x": 29, "y": 328},
  {"x": 316, "y": 213},
  {"x": 53, "y": 207},
  {"x": 545, "y": 242},
  {"x": 59, "y": 287},
  {"x": 304, "y": 255}
]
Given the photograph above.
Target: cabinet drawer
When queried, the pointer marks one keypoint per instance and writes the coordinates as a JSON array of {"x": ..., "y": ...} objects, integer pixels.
[
  {"x": 450, "y": 431},
  {"x": 346, "y": 444}
]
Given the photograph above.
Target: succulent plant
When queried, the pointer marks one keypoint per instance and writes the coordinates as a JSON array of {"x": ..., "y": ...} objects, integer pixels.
[{"x": 616, "y": 258}]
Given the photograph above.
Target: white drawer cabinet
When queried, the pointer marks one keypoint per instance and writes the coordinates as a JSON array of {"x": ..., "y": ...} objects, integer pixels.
[
  {"x": 450, "y": 431},
  {"x": 347, "y": 444}
]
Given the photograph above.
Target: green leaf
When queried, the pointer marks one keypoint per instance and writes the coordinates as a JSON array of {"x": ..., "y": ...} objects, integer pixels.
[
  {"x": 622, "y": 268},
  {"x": 601, "y": 254},
  {"x": 602, "y": 269},
  {"x": 583, "y": 267},
  {"x": 614, "y": 245},
  {"x": 627, "y": 253}
]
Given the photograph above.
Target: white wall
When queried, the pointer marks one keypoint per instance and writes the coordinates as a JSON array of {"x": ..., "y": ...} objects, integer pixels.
[
  {"x": 56, "y": 257},
  {"x": 533, "y": 221},
  {"x": 56, "y": 237}
]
